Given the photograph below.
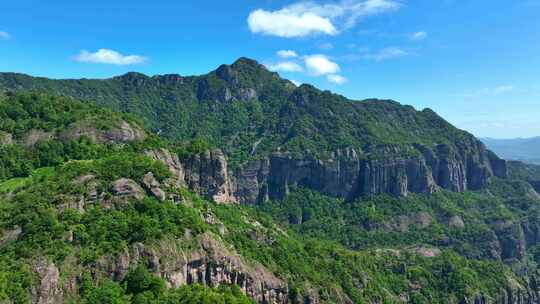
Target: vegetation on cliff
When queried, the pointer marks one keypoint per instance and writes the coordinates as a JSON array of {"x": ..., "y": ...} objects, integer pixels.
[
  {"x": 250, "y": 112},
  {"x": 87, "y": 216}
]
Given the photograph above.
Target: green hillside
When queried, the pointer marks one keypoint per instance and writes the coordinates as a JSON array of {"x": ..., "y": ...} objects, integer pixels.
[
  {"x": 248, "y": 111},
  {"x": 82, "y": 221}
]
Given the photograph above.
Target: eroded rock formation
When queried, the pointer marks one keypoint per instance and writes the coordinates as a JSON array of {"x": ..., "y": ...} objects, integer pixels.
[
  {"x": 121, "y": 132},
  {"x": 211, "y": 265},
  {"x": 392, "y": 169}
]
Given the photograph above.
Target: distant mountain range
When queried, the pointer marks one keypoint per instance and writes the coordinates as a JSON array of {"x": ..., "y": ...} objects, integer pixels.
[{"x": 522, "y": 149}]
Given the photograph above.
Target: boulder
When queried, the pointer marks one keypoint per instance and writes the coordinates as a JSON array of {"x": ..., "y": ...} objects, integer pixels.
[
  {"x": 456, "y": 222},
  {"x": 5, "y": 139},
  {"x": 152, "y": 185},
  {"x": 125, "y": 189}
]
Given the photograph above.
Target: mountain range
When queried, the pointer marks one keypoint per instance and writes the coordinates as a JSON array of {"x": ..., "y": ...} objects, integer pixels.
[
  {"x": 521, "y": 149},
  {"x": 238, "y": 187}
]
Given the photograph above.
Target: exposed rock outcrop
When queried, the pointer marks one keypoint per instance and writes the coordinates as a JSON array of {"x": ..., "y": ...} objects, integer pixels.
[
  {"x": 404, "y": 222},
  {"x": 49, "y": 290},
  {"x": 525, "y": 291},
  {"x": 207, "y": 174},
  {"x": 173, "y": 163},
  {"x": 153, "y": 186},
  {"x": 347, "y": 173},
  {"x": 121, "y": 132},
  {"x": 125, "y": 189},
  {"x": 9, "y": 235},
  {"x": 456, "y": 222},
  {"x": 391, "y": 169},
  {"x": 5, "y": 139},
  {"x": 212, "y": 264},
  {"x": 34, "y": 136}
]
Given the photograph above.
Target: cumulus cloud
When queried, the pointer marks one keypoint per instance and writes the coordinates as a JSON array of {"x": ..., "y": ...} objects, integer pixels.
[
  {"x": 318, "y": 65},
  {"x": 107, "y": 56},
  {"x": 386, "y": 53},
  {"x": 289, "y": 24},
  {"x": 285, "y": 66},
  {"x": 5, "y": 35},
  {"x": 287, "y": 54},
  {"x": 337, "y": 79},
  {"x": 309, "y": 18},
  {"x": 503, "y": 89},
  {"x": 419, "y": 35}
]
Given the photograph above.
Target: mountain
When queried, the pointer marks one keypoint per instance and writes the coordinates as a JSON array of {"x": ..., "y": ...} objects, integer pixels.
[
  {"x": 276, "y": 135},
  {"x": 238, "y": 187},
  {"x": 521, "y": 149}
]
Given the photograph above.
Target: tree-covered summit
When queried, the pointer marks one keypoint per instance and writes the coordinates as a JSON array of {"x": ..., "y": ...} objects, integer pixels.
[{"x": 247, "y": 110}]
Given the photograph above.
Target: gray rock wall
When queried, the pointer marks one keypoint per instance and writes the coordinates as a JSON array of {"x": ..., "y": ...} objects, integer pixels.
[{"x": 391, "y": 169}]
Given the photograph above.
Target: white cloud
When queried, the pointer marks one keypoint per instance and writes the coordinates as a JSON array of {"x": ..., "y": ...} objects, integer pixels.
[
  {"x": 287, "y": 54},
  {"x": 318, "y": 65},
  {"x": 109, "y": 57},
  {"x": 308, "y": 18},
  {"x": 503, "y": 89},
  {"x": 419, "y": 35},
  {"x": 5, "y": 35},
  {"x": 285, "y": 66},
  {"x": 386, "y": 53},
  {"x": 288, "y": 24},
  {"x": 337, "y": 79}
]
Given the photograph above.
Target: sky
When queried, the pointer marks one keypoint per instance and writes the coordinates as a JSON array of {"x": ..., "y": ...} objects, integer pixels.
[{"x": 475, "y": 62}]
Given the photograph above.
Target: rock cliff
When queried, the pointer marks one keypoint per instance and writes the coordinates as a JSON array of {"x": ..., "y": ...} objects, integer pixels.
[
  {"x": 526, "y": 292},
  {"x": 121, "y": 132},
  {"x": 211, "y": 264},
  {"x": 391, "y": 169}
]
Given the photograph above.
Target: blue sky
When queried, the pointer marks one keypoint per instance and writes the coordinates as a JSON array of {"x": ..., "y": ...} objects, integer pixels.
[{"x": 476, "y": 62}]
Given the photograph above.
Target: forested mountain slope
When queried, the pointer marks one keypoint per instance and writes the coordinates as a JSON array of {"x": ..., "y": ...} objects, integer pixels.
[
  {"x": 274, "y": 133},
  {"x": 238, "y": 187}
]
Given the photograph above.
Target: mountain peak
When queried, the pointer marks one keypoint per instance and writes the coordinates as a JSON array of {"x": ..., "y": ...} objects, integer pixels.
[
  {"x": 244, "y": 61},
  {"x": 246, "y": 73}
]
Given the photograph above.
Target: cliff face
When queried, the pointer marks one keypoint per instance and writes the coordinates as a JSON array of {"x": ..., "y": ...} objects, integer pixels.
[
  {"x": 526, "y": 293},
  {"x": 396, "y": 170},
  {"x": 391, "y": 169},
  {"x": 206, "y": 173},
  {"x": 211, "y": 265}
]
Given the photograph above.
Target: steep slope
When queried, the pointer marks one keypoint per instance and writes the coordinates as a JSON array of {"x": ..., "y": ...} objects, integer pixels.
[
  {"x": 116, "y": 221},
  {"x": 277, "y": 136},
  {"x": 246, "y": 100}
]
